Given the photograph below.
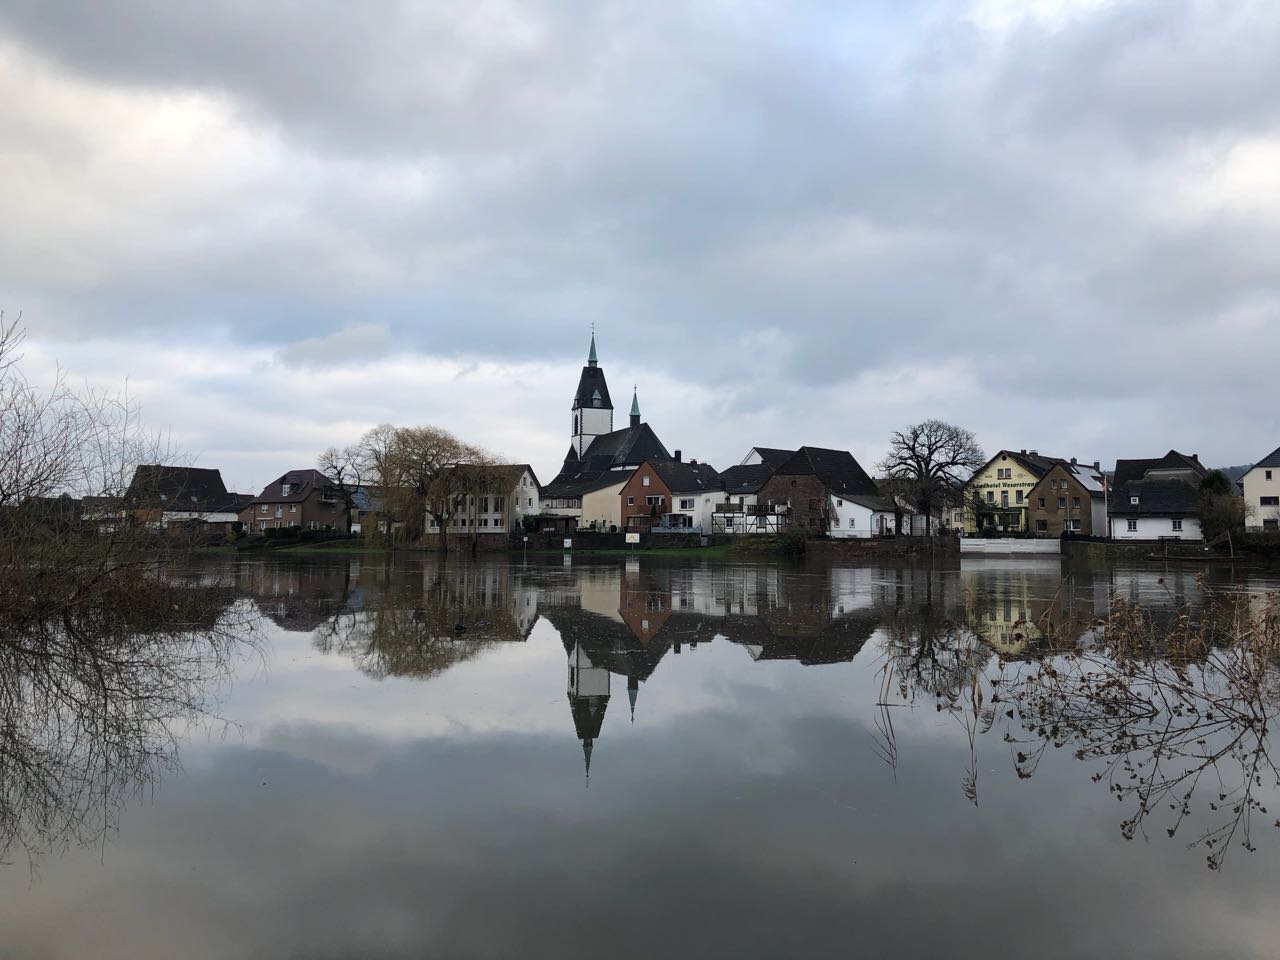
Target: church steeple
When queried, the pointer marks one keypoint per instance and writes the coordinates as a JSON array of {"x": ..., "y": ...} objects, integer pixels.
[
  {"x": 635, "y": 408},
  {"x": 592, "y": 410}
]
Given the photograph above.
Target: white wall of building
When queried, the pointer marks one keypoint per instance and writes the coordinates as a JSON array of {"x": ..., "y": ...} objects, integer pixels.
[
  {"x": 603, "y": 507},
  {"x": 851, "y": 520},
  {"x": 1258, "y": 486},
  {"x": 1153, "y": 528}
]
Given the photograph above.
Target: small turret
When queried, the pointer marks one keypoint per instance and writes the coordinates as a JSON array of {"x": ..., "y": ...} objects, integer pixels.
[{"x": 635, "y": 408}]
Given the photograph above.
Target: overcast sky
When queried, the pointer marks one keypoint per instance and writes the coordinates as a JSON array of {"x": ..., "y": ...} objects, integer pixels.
[{"x": 1055, "y": 223}]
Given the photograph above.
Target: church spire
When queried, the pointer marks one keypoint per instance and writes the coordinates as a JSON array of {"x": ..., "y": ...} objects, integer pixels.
[
  {"x": 635, "y": 408},
  {"x": 591, "y": 357}
]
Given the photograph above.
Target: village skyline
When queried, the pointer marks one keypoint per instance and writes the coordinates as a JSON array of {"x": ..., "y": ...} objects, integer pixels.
[{"x": 1048, "y": 222}]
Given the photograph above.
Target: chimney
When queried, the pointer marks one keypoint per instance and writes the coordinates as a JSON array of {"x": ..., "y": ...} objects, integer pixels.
[
  {"x": 1073, "y": 461},
  {"x": 1097, "y": 465},
  {"x": 693, "y": 463},
  {"x": 677, "y": 456},
  {"x": 1024, "y": 449}
]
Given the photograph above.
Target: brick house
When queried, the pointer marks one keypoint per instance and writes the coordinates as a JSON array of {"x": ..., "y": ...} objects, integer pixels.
[
  {"x": 815, "y": 484},
  {"x": 182, "y": 499},
  {"x": 1070, "y": 497},
  {"x": 300, "y": 498},
  {"x": 644, "y": 498},
  {"x": 670, "y": 493}
]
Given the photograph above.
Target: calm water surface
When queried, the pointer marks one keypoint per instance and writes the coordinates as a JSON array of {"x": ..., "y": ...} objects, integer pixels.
[{"x": 635, "y": 758}]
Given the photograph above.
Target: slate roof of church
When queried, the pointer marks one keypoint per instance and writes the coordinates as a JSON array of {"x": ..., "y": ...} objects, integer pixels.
[
  {"x": 628, "y": 447},
  {"x": 837, "y": 469},
  {"x": 590, "y": 381},
  {"x": 1157, "y": 496}
]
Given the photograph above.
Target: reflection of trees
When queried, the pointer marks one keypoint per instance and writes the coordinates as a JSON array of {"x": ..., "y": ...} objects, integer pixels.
[
  {"x": 91, "y": 702},
  {"x": 420, "y": 633},
  {"x": 1171, "y": 708}
]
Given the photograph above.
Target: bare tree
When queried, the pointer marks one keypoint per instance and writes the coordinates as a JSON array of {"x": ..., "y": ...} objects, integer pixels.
[
  {"x": 347, "y": 470},
  {"x": 934, "y": 459},
  {"x": 426, "y": 482}
]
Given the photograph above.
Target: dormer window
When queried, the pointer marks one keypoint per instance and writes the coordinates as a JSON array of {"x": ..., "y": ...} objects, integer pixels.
[
  {"x": 285, "y": 488},
  {"x": 1133, "y": 501}
]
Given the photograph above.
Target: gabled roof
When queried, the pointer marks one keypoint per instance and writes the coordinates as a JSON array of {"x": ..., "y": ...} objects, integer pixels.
[
  {"x": 629, "y": 447},
  {"x": 873, "y": 503},
  {"x": 1164, "y": 486},
  {"x": 155, "y": 485},
  {"x": 1272, "y": 459},
  {"x": 837, "y": 469},
  {"x": 773, "y": 457},
  {"x": 686, "y": 477},
  {"x": 746, "y": 478},
  {"x": 302, "y": 483}
]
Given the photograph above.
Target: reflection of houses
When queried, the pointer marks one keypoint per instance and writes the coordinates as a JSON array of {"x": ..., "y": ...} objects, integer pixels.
[{"x": 1015, "y": 606}]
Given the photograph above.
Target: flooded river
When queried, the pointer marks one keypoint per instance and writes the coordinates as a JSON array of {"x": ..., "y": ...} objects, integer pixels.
[{"x": 634, "y": 758}]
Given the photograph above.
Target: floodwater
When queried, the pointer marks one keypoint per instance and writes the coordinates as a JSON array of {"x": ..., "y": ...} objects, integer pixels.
[{"x": 637, "y": 758}]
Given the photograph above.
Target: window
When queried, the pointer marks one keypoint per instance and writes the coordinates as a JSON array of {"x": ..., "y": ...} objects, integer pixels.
[
  {"x": 1004, "y": 498},
  {"x": 1062, "y": 503},
  {"x": 1177, "y": 526},
  {"x": 644, "y": 481},
  {"x": 1041, "y": 503},
  {"x": 497, "y": 521},
  {"x": 263, "y": 508},
  {"x": 686, "y": 504},
  {"x": 1042, "y": 526},
  {"x": 1132, "y": 526},
  {"x": 991, "y": 497},
  {"x": 655, "y": 501},
  {"x": 1268, "y": 475},
  {"x": 1075, "y": 502},
  {"x": 284, "y": 489},
  {"x": 1133, "y": 500},
  {"x": 293, "y": 508},
  {"x": 1073, "y": 525},
  {"x": 484, "y": 505},
  {"x": 839, "y": 503},
  {"x": 1269, "y": 501},
  {"x": 499, "y": 504},
  {"x": 484, "y": 521},
  {"x": 835, "y": 522},
  {"x": 1018, "y": 496},
  {"x": 530, "y": 503},
  {"x": 631, "y": 501}
]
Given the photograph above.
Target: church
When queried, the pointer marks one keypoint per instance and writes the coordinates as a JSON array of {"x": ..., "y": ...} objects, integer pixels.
[{"x": 600, "y": 459}]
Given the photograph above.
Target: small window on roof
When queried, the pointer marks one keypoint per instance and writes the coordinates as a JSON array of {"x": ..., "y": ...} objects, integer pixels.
[{"x": 1133, "y": 500}]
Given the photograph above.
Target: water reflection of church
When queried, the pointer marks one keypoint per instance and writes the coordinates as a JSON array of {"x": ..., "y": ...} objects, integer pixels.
[{"x": 617, "y": 622}]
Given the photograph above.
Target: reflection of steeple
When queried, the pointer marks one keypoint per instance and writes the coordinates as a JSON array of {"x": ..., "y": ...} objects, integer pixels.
[
  {"x": 633, "y": 688},
  {"x": 588, "y": 699}
]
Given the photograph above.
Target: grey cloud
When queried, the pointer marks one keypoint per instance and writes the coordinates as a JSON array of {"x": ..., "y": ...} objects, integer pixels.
[{"x": 881, "y": 184}]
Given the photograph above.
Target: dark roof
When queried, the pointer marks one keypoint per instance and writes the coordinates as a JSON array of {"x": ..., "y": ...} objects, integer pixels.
[
  {"x": 1034, "y": 463},
  {"x": 837, "y": 469},
  {"x": 590, "y": 382},
  {"x": 773, "y": 457},
  {"x": 747, "y": 478},
  {"x": 871, "y": 502},
  {"x": 1272, "y": 459},
  {"x": 302, "y": 483},
  {"x": 686, "y": 477},
  {"x": 155, "y": 485},
  {"x": 628, "y": 447},
  {"x": 1164, "y": 486}
]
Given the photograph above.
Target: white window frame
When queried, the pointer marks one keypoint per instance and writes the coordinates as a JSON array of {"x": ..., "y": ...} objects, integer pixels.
[{"x": 1132, "y": 526}]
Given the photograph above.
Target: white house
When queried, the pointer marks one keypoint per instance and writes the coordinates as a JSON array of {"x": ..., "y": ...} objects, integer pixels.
[
  {"x": 859, "y": 516},
  {"x": 738, "y": 509},
  {"x": 510, "y": 493},
  {"x": 1262, "y": 493},
  {"x": 1156, "y": 499}
]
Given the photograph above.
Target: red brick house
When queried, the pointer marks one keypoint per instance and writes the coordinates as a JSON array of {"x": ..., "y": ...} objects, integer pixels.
[{"x": 301, "y": 498}]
